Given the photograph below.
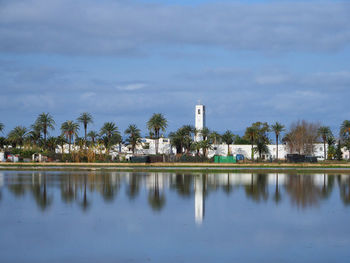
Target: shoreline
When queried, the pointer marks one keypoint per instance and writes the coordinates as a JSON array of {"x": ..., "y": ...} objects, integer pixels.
[{"x": 181, "y": 167}]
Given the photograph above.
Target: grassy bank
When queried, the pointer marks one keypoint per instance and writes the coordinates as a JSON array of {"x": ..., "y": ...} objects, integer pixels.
[{"x": 183, "y": 167}]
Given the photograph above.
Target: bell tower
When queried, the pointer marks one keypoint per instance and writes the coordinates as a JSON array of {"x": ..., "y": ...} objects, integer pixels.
[{"x": 199, "y": 120}]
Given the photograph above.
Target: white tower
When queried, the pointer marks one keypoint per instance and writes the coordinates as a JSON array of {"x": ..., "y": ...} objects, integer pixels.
[{"x": 200, "y": 121}]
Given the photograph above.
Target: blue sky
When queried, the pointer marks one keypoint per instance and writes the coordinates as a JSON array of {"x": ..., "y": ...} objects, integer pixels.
[{"x": 123, "y": 60}]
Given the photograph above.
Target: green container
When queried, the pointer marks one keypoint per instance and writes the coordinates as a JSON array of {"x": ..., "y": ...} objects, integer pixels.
[{"x": 224, "y": 159}]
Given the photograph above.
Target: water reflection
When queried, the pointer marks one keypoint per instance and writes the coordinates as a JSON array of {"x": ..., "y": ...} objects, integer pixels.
[{"x": 301, "y": 191}]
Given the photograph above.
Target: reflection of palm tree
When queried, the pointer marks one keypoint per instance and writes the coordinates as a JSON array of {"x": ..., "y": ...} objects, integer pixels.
[
  {"x": 40, "y": 195},
  {"x": 155, "y": 198},
  {"x": 85, "y": 204},
  {"x": 67, "y": 191},
  {"x": 344, "y": 189},
  {"x": 183, "y": 185},
  {"x": 228, "y": 187},
  {"x": 109, "y": 190},
  {"x": 259, "y": 191},
  {"x": 133, "y": 186},
  {"x": 327, "y": 185}
]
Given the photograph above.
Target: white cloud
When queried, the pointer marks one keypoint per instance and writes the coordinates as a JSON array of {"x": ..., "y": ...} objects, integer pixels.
[{"x": 131, "y": 87}]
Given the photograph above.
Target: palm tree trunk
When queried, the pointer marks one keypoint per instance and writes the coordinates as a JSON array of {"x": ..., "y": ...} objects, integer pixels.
[
  {"x": 70, "y": 142},
  {"x": 277, "y": 147},
  {"x": 252, "y": 153},
  {"x": 228, "y": 149},
  {"x": 324, "y": 148},
  {"x": 45, "y": 138}
]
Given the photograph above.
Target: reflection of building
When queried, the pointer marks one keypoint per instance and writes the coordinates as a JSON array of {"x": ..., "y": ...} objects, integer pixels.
[{"x": 199, "y": 205}]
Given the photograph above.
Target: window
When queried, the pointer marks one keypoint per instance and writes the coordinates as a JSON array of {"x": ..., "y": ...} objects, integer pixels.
[
  {"x": 199, "y": 111},
  {"x": 321, "y": 148}
]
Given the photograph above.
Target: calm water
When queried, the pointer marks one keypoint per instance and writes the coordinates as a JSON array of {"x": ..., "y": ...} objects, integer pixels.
[{"x": 173, "y": 217}]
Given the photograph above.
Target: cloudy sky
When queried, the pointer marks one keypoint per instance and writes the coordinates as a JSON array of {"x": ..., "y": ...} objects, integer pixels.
[{"x": 123, "y": 60}]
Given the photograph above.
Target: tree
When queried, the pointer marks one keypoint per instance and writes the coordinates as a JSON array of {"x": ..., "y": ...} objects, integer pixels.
[
  {"x": 324, "y": 132},
  {"x": 52, "y": 143},
  {"x": 1, "y": 127},
  {"x": 205, "y": 145},
  {"x": 345, "y": 134},
  {"x": 331, "y": 148},
  {"x": 251, "y": 134},
  {"x": 257, "y": 134},
  {"x": 338, "y": 152},
  {"x": 156, "y": 124},
  {"x": 277, "y": 128},
  {"x": 93, "y": 136},
  {"x": 228, "y": 138},
  {"x": 70, "y": 129},
  {"x": 260, "y": 130},
  {"x": 205, "y": 132},
  {"x": 301, "y": 137},
  {"x": 110, "y": 130},
  {"x": 134, "y": 136},
  {"x": 61, "y": 140},
  {"x": 45, "y": 122},
  {"x": 85, "y": 118},
  {"x": 34, "y": 136},
  {"x": 215, "y": 138},
  {"x": 182, "y": 138},
  {"x": 17, "y": 135}
]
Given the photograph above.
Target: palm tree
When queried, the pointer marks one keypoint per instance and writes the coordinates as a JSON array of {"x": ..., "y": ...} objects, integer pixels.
[
  {"x": 205, "y": 132},
  {"x": 1, "y": 127},
  {"x": 93, "y": 136},
  {"x": 277, "y": 128},
  {"x": 215, "y": 137},
  {"x": 205, "y": 145},
  {"x": 324, "y": 132},
  {"x": 109, "y": 129},
  {"x": 251, "y": 134},
  {"x": 345, "y": 132},
  {"x": 155, "y": 124},
  {"x": 70, "y": 129},
  {"x": 17, "y": 135},
  {"x": 85, "y": 118},
  {"x": 134, "y": 136},
  {"x": 34, "y": 136},
  {"x": 45, "y": 122},
  {"x": 52, "y": 143},
  {"x": 61, "y": 140},
  {"x": 228, "y": 138}
]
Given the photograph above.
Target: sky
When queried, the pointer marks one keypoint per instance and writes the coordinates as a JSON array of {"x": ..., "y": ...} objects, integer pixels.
[{"x": 123, "y": 60}]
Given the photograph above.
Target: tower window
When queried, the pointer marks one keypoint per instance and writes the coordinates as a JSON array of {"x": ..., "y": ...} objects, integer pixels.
[{"x": 199, "y": 111}]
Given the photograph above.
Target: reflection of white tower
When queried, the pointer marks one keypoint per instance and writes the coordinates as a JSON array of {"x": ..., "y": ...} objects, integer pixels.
[
  {"x": 199, "y": 199},
  {"x": 200, "y": 120}
]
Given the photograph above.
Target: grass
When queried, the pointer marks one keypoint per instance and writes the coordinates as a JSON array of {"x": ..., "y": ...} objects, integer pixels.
[{"x": 185, "y": 167}]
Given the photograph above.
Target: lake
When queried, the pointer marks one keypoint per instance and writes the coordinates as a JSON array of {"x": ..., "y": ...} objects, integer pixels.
[{"x": 173, "y": 217}]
